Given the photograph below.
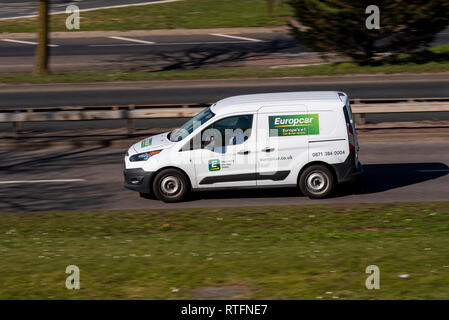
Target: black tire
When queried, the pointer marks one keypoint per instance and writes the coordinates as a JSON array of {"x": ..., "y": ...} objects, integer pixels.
[
  {"x": 171, "y": 185},
  {"x": 316, "y": 182}
]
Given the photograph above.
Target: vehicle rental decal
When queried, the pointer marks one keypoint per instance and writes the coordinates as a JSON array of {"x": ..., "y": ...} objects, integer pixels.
[
  {"x": 294, "y": 125},
  {"x": 214, "y": 165},
  {"x": 146, "y": 143}
]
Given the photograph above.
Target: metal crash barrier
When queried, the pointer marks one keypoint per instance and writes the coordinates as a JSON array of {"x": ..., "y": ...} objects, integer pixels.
[{"x": 360, "y": 108}]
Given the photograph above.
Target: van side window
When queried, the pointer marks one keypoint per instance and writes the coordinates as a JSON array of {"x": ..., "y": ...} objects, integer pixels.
[{"x": 228, "y": 131}]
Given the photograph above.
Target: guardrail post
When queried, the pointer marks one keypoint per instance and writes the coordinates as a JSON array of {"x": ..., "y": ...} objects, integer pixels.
[
  {"x": 131, "y": 126},
  {"x": 131, "y": 123},
  {"x": 359, "y": 119},
  {"x": 17, "y": 127}
]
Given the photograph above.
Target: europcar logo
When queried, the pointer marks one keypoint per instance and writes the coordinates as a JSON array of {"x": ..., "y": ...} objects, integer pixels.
[
  {"x": 294, "y": 125},
  {"x": 146, "y": 143},
  {"x": 214, "y": 165}
]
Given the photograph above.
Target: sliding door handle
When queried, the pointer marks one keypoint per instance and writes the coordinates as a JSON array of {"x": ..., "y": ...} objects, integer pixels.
[{"x": 268, "y": 149}]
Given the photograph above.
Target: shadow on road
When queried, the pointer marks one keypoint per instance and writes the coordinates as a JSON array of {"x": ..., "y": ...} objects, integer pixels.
[
  {"x": 204, "y": 56},
  {"x": 384, "y": 177}
]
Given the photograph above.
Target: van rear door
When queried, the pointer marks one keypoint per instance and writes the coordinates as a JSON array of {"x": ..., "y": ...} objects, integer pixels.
[{"x": 351, "y": 120}]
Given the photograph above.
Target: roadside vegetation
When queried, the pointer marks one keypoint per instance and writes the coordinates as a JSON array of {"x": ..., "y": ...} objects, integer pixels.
[
  {"x": 435, "y": 59},
  {"x": 343, "y": 26},
  {"x": 278, "y": 252},
  {"x": 187, "y": 14}
]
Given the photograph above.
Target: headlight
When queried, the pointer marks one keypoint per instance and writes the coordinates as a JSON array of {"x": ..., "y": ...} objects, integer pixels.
[{"x": 143, "y": 156}]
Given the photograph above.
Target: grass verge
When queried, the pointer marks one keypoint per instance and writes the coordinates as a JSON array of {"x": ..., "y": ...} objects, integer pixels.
[
  {"x": 189, "y": 14},
  {"x": 345, "y": 68},
  {"x": 294, "y": 252}
]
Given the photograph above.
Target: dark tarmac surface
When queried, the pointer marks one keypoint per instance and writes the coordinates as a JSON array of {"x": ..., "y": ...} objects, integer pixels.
[
  {"x": 394, "y": 171},
  {"x": 115, "y": 51},
  {"x": 207, "y": 91},
  {"x": 19, "y": 8}
]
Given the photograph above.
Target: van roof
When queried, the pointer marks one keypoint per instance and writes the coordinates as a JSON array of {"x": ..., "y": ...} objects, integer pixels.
[{"x": 253, "y": 102}]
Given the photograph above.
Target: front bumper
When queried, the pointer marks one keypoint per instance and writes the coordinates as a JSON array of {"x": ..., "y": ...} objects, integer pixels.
[{"x": 138, "y": 180}]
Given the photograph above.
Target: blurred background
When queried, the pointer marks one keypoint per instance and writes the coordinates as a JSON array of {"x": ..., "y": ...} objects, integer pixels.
[{"x": 72, "y": 100}]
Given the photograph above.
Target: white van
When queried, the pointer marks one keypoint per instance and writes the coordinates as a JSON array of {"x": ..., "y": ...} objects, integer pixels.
[{"x": 294, "y": 139}]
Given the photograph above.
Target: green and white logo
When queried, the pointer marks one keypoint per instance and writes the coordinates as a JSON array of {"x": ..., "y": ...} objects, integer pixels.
[
  {"x": 146, "y": 143},
  {"x": 294, "y": 125},
  {"x": 214, "y": 165}
]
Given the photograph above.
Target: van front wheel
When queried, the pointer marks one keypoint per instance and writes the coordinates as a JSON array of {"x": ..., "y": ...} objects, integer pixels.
[
  {"x": 170, "y": 185},
  {"x": 316, "y": 182}
]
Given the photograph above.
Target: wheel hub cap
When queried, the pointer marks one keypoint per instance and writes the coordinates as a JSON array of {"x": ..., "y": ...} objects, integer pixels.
[
  {"x": 316, "y": 182},
  {"x": 170, "y": 185}
]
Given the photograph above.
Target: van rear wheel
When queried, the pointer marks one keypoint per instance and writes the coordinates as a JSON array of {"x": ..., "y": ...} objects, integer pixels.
[
  {"x": 316, "y": 182},
  {"x": 171, "y": 185}
]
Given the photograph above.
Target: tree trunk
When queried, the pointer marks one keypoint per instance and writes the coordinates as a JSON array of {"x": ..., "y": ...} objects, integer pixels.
[
  {"x": 42, "y": 39},
  {"x": 368, "y": 53}
]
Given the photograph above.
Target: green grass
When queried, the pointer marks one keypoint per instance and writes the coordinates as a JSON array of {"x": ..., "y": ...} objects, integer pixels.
[
  {"x": 190, "y": 14},
  {"x": 283, "y": 252},
  {"x": 435, "y": 59}
]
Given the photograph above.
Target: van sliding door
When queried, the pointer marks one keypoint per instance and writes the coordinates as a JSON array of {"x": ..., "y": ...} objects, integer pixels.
[{"x": 282, "y": 143}]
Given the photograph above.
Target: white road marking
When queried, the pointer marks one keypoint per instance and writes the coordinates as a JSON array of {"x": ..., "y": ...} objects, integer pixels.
[
  {"x": 27, "y": 42},
  {"x": 42, "y": 181},
  {"x": 433, "y": 170},
  {"x": 20, "y": 17},
  {"x": 235, "y": 37},
  {"x": 93, "y": 9},
  {"x": 132, "y": 40},
  {"x": 165, "y": 44}
]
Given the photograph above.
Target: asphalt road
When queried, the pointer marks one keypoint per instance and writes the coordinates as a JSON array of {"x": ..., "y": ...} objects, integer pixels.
[
  {"x": 201, "y": 91},
  {"x": 157, "y": 52},
  {"x": 155, "y": 44},
  {"x": 169, "y": 52},
  {"x": 20, "y": 8},
  {"x": 394, "y": 171},
  {"x": 159, "y": 44}
]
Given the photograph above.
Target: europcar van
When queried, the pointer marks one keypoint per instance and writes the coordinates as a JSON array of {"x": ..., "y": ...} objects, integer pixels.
[{"x": 296, "y": 139}]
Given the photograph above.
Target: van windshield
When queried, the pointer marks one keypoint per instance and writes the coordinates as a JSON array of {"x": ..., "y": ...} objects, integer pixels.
[{"x": 198, "y": 120}]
